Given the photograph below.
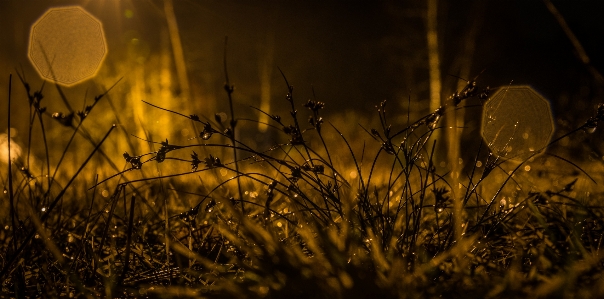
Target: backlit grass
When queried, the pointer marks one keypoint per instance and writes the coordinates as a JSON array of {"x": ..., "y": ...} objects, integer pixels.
[{"x": 316, "y": 213}]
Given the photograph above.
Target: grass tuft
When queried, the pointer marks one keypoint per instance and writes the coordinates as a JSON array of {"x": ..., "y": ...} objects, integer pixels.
[{"x": 308, "y": 216}]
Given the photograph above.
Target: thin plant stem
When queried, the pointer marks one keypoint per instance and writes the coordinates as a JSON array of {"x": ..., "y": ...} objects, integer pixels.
[
  {"x": 10, "y": 170},
  {"x": 229, "y": 89},
  {"x": 579, "y": 50},
  {"x": 19, "y": 250}
]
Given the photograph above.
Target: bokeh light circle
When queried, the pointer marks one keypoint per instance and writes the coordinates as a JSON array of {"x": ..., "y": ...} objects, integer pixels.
[
  {"x": 67, "y": 45},
  {"x": 517, "y": 122}
]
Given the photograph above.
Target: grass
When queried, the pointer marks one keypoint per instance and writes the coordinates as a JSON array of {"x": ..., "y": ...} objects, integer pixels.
[{"x": 309, "y": 216}]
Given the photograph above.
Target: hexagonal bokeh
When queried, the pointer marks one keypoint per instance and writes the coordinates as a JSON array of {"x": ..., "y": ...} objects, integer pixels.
[
  {"x": 67, "y": 45},
  {"x": 516, "y": 122}
]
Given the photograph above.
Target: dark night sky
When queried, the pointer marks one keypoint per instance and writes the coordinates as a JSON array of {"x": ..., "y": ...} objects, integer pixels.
[{"x": 353, "y": 53}]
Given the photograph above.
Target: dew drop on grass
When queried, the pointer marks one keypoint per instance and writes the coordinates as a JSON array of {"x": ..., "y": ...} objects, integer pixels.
[
  {"x": 210, "y": 206},
  {"x": 527, "y": 168}
]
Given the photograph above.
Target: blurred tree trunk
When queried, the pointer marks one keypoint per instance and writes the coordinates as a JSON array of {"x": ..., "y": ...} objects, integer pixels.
[
  {"x": 454, "y": 119},
  {"x": 433, "y": 56},
  {"x": 177, "y": 51}
]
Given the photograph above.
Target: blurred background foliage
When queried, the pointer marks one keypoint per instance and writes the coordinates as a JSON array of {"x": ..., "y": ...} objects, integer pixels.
[{"x": 353, "y": 54}]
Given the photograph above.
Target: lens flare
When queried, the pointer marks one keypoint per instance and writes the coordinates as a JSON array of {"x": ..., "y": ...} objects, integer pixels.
[
  {"x": 516, "y": 122},
  {"x": 67, "y": 45}
]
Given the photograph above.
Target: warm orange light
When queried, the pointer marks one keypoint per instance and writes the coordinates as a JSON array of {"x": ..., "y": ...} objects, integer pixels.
[
  {"x": 15, "y": 149},
  {"x": 67, "y": 45}
]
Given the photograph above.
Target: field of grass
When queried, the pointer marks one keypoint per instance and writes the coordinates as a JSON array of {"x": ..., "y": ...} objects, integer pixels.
[{"x": 316, "y": 214}]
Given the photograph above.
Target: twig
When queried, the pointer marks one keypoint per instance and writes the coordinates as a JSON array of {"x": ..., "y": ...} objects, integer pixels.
[{"x": 580, "y": 51}]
